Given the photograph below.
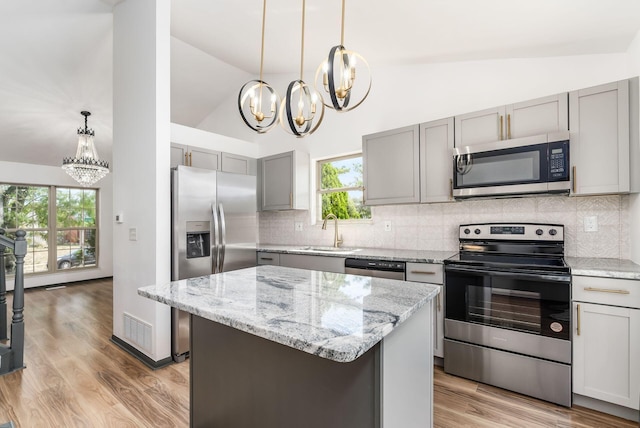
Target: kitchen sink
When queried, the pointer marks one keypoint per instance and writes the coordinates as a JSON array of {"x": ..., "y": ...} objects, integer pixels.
[{"x": 329, "y": 250}]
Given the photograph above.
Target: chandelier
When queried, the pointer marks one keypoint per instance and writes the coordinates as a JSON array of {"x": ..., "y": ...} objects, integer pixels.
[
  {"x": 338, "y": 73},
  {"x": 86, "y": 168},
  {"x": 259, "y": 94},
  {"x": 298, "y": 110}
]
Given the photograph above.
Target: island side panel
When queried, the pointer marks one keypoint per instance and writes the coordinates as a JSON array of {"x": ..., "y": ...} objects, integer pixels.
[
  {"x": 239, "y": 380},
  {"x": 407, "y": 373}
]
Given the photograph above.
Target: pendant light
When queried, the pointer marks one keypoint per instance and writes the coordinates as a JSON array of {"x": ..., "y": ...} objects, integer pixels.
[
  {"x": 255, "y": 95},
  {"x": 337, "y": 76},
  {"x": 298, "y": 114},
  {"x": 86, "y": 168}
]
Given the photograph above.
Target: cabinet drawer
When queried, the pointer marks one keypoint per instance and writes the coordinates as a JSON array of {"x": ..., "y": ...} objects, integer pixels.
[
  {"x": 607, "y": 291},
  {"x": 265, "y": 258},
  {"x": 425, "y": 272}
]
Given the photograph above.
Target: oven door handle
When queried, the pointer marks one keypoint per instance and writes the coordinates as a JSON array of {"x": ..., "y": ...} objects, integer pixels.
[{"x": 514, "y": 275}]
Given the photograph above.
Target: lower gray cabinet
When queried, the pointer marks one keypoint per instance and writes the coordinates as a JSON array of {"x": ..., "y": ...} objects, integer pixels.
[
  {"x": 321, "y": 263},
  {"x": 432, "y": 273},
  {"x": 264, "y": 258}
]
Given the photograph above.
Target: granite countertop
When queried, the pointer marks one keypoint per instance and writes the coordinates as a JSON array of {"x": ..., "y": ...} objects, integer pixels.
[
  {"x": 331, "y": 315},
  {"x": 606, "y": 268},
  {"x": 416, "y": 256}
]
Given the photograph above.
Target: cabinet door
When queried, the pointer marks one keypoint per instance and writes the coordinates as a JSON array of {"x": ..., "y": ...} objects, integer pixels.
[
  {"x": 179, "y": 155},
  {"x": 321, "y": 263},
  {"x": 606, "y": 352},
  {"x": 392, "y": 166},
  {"x": 432, "y": 273},
  {"x": 539, "y": 116},
  {"x": 277, "y": 182},
  {"x": 238, "y": 164},
  {"x": 436, "y": 161},
  {"x": 600, "y": 139},
  {"x": 485, "y": 126},
  {"x": 203, "y": 158}
]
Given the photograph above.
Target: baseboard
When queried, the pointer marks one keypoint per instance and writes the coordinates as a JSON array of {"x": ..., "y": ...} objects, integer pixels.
[
  {"x": 604, "y": 407},
  {"x": 152, "y": 364}
]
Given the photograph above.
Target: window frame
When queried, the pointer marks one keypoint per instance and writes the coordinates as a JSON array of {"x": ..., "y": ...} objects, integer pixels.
[
  {"x": 320, "y": 192},
  {"x": 52, "y": 228}
]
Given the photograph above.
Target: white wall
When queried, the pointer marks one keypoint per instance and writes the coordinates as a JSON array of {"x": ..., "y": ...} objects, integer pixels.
[
  {"x": 22, "y": 173},
  {"x": 141, "y": 149}
]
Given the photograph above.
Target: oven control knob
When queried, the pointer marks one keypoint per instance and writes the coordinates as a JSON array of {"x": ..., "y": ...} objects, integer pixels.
[
  {"x": 539, "y": 232},
  {"x": 467, "y": 231},
  {"x": 553, "y": 232},
  {"x": 477, "y": 231}
]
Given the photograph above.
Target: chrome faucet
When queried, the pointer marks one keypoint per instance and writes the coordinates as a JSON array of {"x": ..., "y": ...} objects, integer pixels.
[{"x": 336, "y": 241}]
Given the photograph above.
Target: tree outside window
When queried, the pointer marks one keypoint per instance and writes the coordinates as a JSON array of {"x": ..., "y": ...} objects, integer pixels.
[{"x": 340, "y": 188}]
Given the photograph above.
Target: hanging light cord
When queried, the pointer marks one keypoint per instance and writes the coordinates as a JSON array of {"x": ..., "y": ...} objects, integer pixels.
[
  {"x": 342, "y": 27},
  {"x": 264, "y": 14},
  {"x": 302, "y": 44}
]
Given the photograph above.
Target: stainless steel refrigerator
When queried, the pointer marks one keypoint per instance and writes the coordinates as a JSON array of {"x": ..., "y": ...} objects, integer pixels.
[{"x": 214, "y": 230}]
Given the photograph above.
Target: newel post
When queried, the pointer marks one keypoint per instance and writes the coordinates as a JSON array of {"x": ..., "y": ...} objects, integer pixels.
[
  {"x": 3, "y": 293},
  {"x": 17, "y": 324}
]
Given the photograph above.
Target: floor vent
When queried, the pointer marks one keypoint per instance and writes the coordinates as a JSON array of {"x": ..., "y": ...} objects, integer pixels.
[{"x": 137, "y": 332}]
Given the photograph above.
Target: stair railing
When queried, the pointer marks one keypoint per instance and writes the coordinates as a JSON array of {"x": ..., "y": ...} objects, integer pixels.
[{"x": 19, "y": 249}]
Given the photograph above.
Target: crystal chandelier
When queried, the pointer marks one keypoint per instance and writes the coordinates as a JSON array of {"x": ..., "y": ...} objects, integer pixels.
[
  {"x": 259, "y": 94},
  {"x": 338, "y": 73},
  {"x": 298, "y": 109},
  {"x": 86, "y": 168}
]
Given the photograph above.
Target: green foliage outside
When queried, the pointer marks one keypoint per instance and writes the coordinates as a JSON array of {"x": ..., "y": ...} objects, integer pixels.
[{"x": 339, "y": 203}]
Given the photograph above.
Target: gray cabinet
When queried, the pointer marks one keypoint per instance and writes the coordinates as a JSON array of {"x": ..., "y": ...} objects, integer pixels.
[
  {"x": 284, "y": 181},
  {"x": 239, "y": 164},
  {"x": 601, "y": 130},
  {"x": 436, "y": 161},
  {"x": 320, "y": 263},
  {"x": 194, "y": 156},
  {"x": 392, "y": 166},
  {"x": 524, "y": 119},
  {"x": 267, "y": 258},
  {"x": 432, "y": 273}
]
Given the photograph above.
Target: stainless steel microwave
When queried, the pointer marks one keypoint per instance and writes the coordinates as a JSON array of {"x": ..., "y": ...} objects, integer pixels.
[{"x": 529, "y": 165}]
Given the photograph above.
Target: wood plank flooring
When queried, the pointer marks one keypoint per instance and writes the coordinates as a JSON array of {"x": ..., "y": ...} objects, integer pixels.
[{"x": 76, "y": 377}]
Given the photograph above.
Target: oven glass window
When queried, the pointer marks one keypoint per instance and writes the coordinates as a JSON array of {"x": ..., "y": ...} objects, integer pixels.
[
  {"x": 531, "y": 306},
  {"x": 520, "y": 165}
]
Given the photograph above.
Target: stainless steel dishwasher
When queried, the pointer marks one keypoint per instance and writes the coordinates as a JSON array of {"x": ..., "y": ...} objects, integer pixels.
[{"x": 375, "y": 268}]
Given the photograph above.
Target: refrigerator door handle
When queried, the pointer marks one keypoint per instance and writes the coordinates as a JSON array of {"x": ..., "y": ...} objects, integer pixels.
[
  {"x": 214, "y": 242},
  {"x": 223, "y": 237}
]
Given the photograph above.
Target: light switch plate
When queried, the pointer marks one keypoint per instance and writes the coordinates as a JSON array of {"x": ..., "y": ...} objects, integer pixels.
[
  {"x": 298, "y": 226},
  {"x": 133, "y": 234},
  {"x": 591, "y": 223}
]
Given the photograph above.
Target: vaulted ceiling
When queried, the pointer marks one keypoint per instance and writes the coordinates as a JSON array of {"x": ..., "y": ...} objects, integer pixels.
[{"x": 55, "y": 56}]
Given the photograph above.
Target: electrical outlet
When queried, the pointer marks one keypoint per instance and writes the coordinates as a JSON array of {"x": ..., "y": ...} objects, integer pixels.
[
  {"x": 298, "y": 225},
  {"x": 133, "y": 234},
  {"x": 591, "y": 224},
  {"x": 387, "y": 226}
]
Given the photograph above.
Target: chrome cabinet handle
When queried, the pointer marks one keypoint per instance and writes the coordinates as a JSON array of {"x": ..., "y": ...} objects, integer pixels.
[
  {"x": 423, "y": 272},
  {"x": 266, "y": 258},
  {"x": 606, "y": 290},
  {"x": 578, "y": 316}
]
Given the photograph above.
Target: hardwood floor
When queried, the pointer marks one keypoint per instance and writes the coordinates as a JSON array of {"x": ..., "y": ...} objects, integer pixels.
[{"x": 76, "y": 377}]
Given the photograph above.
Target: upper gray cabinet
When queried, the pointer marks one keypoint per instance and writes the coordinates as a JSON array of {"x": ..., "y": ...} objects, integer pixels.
[
  {"x": 436, "y": 161},
  {"x": 194, "y": 156},
  {"x": 604, "y": 120},
  {"x": 239, "y": 164},
  {"x": 284, "y": 181},
  {"x": 524, "y": 119},
  {"x": 392, "y": 166}
]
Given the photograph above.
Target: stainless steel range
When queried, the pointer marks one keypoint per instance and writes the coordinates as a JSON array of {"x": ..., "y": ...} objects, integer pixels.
[{"x": 507, "y": 309}]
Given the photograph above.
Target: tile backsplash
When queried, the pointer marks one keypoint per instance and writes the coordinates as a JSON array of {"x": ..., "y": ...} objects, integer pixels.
[{"x": 435, "y": 226}]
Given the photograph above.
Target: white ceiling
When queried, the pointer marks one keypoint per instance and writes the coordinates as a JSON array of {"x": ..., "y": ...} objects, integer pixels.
[{"x": 55, "y": 56}]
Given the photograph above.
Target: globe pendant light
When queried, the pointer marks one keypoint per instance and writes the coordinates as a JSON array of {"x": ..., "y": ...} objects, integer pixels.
[
  {"x": 257, "y": 94},
  {"x": 298, "y": 110},
  {"x": 337, "y": 76},
  {"x": 86, "y": 168}
]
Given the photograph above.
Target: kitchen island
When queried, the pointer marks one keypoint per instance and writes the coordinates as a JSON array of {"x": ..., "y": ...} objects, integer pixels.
[{"x": 282, "y": 347}]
